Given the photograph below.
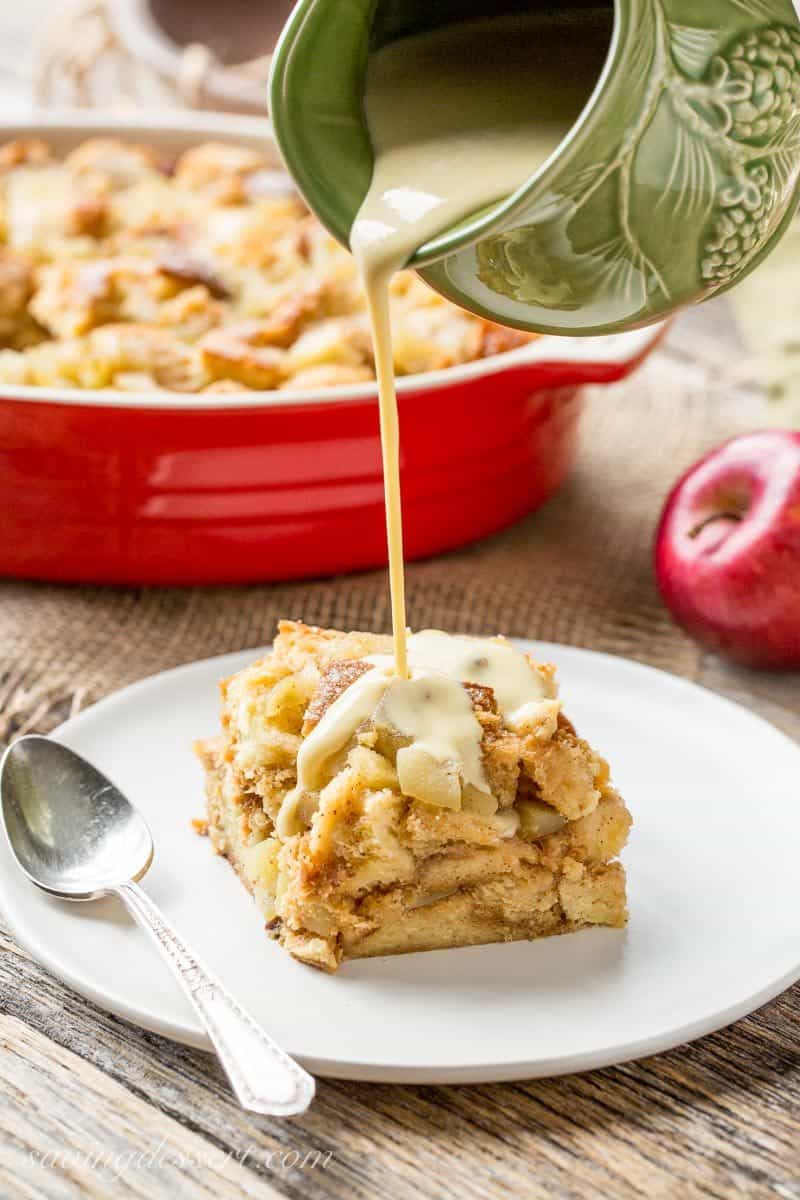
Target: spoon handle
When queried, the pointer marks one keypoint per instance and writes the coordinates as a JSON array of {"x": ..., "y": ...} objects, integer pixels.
[{"x": 264, "y": 1078}]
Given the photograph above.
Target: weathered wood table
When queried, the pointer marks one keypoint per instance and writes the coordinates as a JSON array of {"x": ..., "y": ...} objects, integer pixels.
[{"x": 93, "y": 1107}]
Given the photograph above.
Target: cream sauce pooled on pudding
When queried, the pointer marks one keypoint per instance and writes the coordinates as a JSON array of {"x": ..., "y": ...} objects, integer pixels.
[
  {"x": 336, "y": 728},
  {"x": 459, "y": 118},
  {"x": 436, "y": 713},
  {"x": 431, "y": 708},
  {"x": 518, "y": 689}
]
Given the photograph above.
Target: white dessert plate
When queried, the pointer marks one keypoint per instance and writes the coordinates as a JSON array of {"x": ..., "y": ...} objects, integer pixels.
[{"x": 712, "y": 868}]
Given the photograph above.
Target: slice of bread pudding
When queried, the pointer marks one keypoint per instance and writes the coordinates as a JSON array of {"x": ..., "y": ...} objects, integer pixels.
[{"x": 386, "y": 847}]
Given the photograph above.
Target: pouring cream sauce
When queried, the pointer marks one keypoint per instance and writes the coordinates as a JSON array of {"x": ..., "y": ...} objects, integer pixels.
[{"x": 459, "y": 118}]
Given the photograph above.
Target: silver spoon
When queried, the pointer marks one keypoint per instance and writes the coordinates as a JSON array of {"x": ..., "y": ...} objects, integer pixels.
[{"x": 77, "y": 837}]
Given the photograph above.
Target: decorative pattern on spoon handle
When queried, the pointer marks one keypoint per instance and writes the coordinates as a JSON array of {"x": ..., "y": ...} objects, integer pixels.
[{"x": 264, "y": 1078}]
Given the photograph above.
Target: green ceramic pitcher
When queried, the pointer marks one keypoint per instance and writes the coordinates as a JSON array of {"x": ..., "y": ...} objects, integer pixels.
[{"x": 679, "y": 176}]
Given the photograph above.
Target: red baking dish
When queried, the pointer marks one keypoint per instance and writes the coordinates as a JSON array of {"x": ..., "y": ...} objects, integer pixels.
[{"x": 158, "y": 488}]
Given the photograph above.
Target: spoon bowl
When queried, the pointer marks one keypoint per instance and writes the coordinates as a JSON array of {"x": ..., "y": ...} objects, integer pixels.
[{"x": 73, "y": 833}]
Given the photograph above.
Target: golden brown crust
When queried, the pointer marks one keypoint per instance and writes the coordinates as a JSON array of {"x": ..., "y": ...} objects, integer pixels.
[
  {"x": 22, "y": 152},
  {"x": 18, "y": 326},
  {"x": 335, "y": 679},
  {"x": 376, "y": 872},
  {"x": 565, "y": 771},
  {"x": 217, "y": 254}
]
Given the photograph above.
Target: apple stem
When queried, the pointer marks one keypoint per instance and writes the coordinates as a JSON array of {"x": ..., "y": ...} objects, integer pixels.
[{"x": 720, "y": 516}]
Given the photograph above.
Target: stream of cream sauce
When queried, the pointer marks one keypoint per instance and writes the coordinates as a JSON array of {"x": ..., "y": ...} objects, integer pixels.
[{"x": 459, "y": 118}]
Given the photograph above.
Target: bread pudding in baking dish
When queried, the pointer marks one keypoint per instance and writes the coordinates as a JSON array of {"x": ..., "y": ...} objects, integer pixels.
[
  {"x": 359, "y": 834},
  {"x": 121, "y": 269}
]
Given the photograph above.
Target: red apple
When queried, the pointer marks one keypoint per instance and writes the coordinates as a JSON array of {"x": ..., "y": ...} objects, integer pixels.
[{"x": 728, "y": 550}]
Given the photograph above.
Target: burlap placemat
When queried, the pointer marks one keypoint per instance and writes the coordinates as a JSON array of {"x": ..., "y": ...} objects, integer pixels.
[{"x": 579, "y": 571}]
